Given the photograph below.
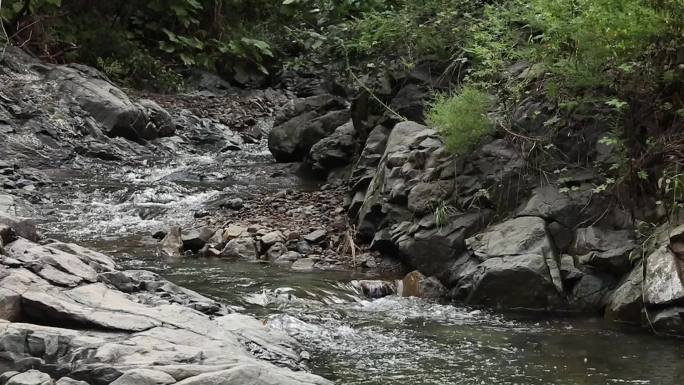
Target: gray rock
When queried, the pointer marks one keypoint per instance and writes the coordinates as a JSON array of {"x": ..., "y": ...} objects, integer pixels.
[
  {"x": 116, "y": 113},
  {"x": 195, "y": 239},
  {"x": 276, "y": 251},
  {"x": 292, "y": 140},
  {"x": 625, "y": 302},
  {"x": 172, "y": 244},
  {"x": 335, "y": 150},
  {"x": 271, "y": 238},
  {"x": 288, "y": 257},
  {"x": 425, "y": 197},
  {"x": 590, "y": 291},
  {"x": 30, "y": 377},
  {"x": 670, "y": 321},
  {"x": 662, "y": 284},
  {"x": 567, "y": 208},
  {"x": 144, "y": 377},
  {"x": 243, "y": 247},
  {"x": 315, "y": 236},
  {"x": 254, "y": 375},
  {"x": 521, "y": 281},
  {"x": 23, "y": 227},
  {"x": 155, "y": 327},
  {"x": 70, "y": 381},
  {"x": 51, "y": 263},
  {"x": 304, "y": 264},
  {"x": 376, "y": 288},
  {"x": 607, "y": 250},
  {"x": 303, "y": 247},
  {"x": 160, "y": 119},
  {"x": 523, "y": 235},
  {"x": 415, "y": 284}
]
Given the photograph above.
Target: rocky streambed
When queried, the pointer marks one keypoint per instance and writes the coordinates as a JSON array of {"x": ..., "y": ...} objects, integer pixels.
[{"x": 173, "y": 249}]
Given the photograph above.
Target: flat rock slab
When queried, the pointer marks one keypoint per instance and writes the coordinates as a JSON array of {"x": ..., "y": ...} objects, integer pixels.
[
  {"x": 315, "y": 236},
  {"x": 152, "y": 334}
]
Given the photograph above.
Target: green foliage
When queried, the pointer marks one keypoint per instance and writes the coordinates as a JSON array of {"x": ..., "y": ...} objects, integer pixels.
[
  {"x": 462, "y": 119},
  {"x": 581, "y": 39},
  {"x": 443, "y": 211}
]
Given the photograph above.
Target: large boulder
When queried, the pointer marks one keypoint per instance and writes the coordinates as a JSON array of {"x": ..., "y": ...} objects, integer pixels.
[
  {"x": 292, "y": 140},
  {"x": 110, "y": 106},
  {"x": 335, "y": 150},
  {"x": 625, "y": 303},
  {"x": 243, "y": 247},
  {"x": 30, "y": 377},
  {"x": 514, "y": 282},
  {"x": 519, "y": 267},
  {"x": 607, "y": 250},
  {"x": 662, "y": 283}
]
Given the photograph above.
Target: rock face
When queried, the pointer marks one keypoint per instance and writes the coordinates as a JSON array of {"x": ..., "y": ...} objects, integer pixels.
[
  {"x": 492, "y": 236},
  {"x": 101, "y": 325},
  {"x": 117, "y": 114},
  {"x": 310, "y": 120}
]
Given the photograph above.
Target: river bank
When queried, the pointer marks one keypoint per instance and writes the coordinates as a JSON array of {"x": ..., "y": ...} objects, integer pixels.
[{"x": 112, "y": 194}]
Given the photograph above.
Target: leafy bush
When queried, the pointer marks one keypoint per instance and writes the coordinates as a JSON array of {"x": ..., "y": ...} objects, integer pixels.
[{"x": 462, "y": 119}]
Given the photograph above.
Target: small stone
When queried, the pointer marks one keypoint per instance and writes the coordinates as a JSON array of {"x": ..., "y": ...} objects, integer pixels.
[
  {"x": 293, "y": 235},
  {"x": 303, "y": 247},
  {"x": 304, "y": 264},
  {"x": 243, "y": 247},
  {"x": 30, "y": 377},
  {"x": 315, "y": 236},
  {"x": 234, "y": 231},
  {"x": 276, "y": 250},
  {"x": 233, "y": 204},
  {"x": 272, "y": 238},
  {"x": 288, "y": 257}
]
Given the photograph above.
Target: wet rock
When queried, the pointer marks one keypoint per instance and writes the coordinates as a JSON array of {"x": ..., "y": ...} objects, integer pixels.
[
  {"x": 567, "y": 208},
  {"x": 233, "y": 204},
  {"x": 156, "y": 334},
  {"x": 159, "y": 234},
  {"x": 272, "y": 238},
  {"x": 275, "y": 251},
  {"x": 172, "y": 244},
  {"x": 247, "y": 374},
  {"x": 669, "y": 320},
  {"x": 625, "y": 303},
  {"x": 415, "y": 284},
  {"x": 194, "y": 240},
  {"x": 144, "y": 377},
  {"x": 292, "y": 140},
  {"x": 69, "y": 381},
  {"x": 4, "y": 377},
  {"x": 590, "y": 291},
  {"x": 662, "y": 284},
  {"x": 376, "y": 288},
  {"x": 287, "y": 257},
  {"x": 160, "y": 119},
  {"x": 243, "y": 247},
  {"x": 521, "y": 281},
  {"x": 303, "y": 247},
  {"x": 335, "y": 150},
  {"x": 315, "y": 236},
  {"x": 568, "y": 270},
  {"x": 234, "y": 231},
  {"x": 23, "y": 227},
  {"x": 304, "y": 264},
  {"x": 607, "y": 250},
  {"x": 115, "y": 112},
  {"x": 524, "y": 235},
  {"x": 30, "y": 377}
]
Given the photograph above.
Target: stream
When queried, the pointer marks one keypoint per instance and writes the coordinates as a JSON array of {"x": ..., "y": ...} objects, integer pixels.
[{"x": 352, "y": 340}]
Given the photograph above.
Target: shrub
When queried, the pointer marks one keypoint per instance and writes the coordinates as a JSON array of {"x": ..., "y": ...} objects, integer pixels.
[{"x": 462, "y": 119}]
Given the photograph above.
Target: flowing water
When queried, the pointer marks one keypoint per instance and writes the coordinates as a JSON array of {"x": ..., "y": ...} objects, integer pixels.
[{"x": 352, "y": 340}]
